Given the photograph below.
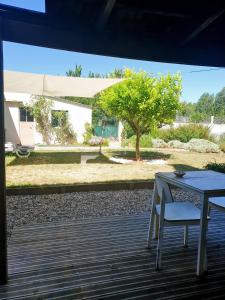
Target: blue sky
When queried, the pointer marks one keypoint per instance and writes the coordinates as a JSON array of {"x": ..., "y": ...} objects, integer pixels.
[{"x": 196, "y": 80}]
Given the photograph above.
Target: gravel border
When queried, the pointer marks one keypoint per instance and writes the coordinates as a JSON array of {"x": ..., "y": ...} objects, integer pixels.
[{"x": 33, "y": 209}]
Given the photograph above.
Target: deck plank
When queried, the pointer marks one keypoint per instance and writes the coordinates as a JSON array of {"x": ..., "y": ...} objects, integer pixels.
[{"x": 107, "y": 258}]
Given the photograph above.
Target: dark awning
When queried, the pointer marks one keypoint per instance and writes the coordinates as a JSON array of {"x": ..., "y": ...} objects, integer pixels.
[{"x": 166, "y": 31}]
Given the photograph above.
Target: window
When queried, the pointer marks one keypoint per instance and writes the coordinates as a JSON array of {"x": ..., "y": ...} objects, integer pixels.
[
  {"x": 59, "y": 117},
  {"x": 25, "y": 115}
]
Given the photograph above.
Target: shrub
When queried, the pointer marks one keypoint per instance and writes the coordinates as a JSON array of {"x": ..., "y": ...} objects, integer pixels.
[
  {"x": 185, "y": 133},
  {"x": 222, "y": 138},
  {"x": 204, "y": 146},
  {"x": 216, "y": 167},
  {"x": 129, "y": 142},
  {"x": 65, "y": 134},
  {"x": 145, "y": 141},
  {"x": 98, "y": 140},
  {"x": 127, "y": 131},
  {"x": 177, "y": 144},
  {"x": 88, "y": 133},
  {"x": 41, "y": 107},
  {"x": 159, "y": 143},
  {"x": 222, "y": 147},
  {"x": 222, "y": 142},
  {"x": 105, "y": 142}
]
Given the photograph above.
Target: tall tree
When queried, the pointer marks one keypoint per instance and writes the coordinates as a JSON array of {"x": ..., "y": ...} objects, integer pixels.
[
  {"x": 220, "y": 105},
  {"x": 143, "y": 101},
  {"x": 117, "y": 73},
  {"x": 205, "y": 106},
  {"x": 76, "y": 72},
  {"x": 187, "y": 109},
  {"x": 95, "y": 75}
]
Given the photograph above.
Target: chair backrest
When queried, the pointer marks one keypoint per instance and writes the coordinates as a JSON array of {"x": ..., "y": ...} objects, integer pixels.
[{"x": 164, "y": 190}]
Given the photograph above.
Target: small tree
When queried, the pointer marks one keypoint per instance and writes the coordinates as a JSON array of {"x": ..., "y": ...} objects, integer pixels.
[
  {"x": 88, "y": 132},
  {"x": 40, "y": 108},
  {"x": 143, "y": 101},
  {"x": 64, "y": 132}
]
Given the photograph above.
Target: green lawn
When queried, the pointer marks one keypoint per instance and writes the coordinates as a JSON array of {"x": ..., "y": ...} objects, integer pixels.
[{"x": 65, "y": 167}]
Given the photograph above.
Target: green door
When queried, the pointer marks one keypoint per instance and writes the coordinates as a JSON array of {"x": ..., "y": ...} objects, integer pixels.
[{"x": 106, "y": 131}]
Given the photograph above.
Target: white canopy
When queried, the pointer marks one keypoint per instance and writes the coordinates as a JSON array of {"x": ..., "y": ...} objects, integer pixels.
[{"x": 61, "y": 86}]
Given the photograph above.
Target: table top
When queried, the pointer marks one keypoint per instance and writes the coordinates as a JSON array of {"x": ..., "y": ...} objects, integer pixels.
[{"x": 206, "y": 182}]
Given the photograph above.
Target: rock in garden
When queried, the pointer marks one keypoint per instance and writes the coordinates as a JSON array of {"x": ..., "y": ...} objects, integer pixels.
[
  {"x": 159, "y": 143},
  {"x": 204, "y": 146}
]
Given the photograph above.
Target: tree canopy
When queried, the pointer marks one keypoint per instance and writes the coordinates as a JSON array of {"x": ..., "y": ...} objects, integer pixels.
[
  {"x": 97, "y": 113},
  {"x": 219, "y": 105},
  {"x": 76, "y": 72},
  {"x": 207, "y": 105},
  {"x": 143, "y": 101}
]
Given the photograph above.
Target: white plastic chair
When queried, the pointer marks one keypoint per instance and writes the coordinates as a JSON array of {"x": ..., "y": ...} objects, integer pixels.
[{"x": 167, "y": 213}]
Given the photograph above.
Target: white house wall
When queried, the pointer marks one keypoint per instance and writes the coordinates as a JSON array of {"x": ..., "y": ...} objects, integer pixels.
[
  {"x": 12, "y": 122},
  {"x": 78, "y": 116},
  {"x": 215, "y": 129}
]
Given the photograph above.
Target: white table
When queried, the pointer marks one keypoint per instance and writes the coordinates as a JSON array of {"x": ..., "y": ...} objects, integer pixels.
[{"x": 207, "y": 184}]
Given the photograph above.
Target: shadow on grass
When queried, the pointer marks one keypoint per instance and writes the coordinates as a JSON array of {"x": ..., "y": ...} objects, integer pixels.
[
  {"x": 144, "y": 154},
  {"x": 183, "y": 167},
  {"x": 101, "y": 159},
  {"x": 70, "y": 157},
  {"x": 42, "y": 158},
  {"x": 45, "y": 158}
]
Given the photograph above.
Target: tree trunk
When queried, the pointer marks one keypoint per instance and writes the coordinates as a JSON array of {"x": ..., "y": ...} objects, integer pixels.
[{"x": 138, "y": 156}]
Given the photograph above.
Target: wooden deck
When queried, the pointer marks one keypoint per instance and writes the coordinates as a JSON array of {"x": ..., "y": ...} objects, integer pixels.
[{"x": 107, "y": 258}]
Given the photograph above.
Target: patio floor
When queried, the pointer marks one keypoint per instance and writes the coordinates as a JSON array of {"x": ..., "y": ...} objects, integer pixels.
[{"x": 107, "y": 258}]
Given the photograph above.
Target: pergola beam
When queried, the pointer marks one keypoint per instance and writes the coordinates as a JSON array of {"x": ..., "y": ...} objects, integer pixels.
[
  {"x": 87, "y": 41},
  {"x": 104, "y": 17},
  {"x": 38, "y": 29},
  {"x": 203, "y": 26},
  {"x": 157, "y": 12}
]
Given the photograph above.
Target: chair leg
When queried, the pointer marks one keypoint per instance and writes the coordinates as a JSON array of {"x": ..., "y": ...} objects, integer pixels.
[
  {"x": 159, "y": 246},
  {"x": 151, "y": 227},
  {"x": 186, "y": 236},
  {"x": 156, "y": 227},
  {"x": 209, "y": 210}
]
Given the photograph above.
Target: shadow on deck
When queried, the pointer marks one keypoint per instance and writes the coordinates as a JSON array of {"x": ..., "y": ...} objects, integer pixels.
[{"x": 107, "y": 258}]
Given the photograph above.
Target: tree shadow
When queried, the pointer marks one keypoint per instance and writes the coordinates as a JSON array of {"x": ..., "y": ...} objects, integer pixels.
[
  {"x": 131, "y": 154},
  {"x": 60, "y": 157},
  {"x": 101, "y": 159},
  {"x": 42, "y": 158},
  {"x": 70, "y": 157},
  {"x": 183, "y": 167}
]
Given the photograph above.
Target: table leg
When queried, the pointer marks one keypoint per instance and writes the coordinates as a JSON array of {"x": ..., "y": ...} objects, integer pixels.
[{"x": 202, "y": 256}]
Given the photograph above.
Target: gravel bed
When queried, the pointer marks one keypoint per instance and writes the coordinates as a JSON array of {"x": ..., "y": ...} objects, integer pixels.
[{"x": 33, "y": 209}]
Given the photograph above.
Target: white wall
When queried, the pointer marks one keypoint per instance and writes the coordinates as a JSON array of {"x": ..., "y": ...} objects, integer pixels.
[
  {"x": 215, "y": 129},
  {"x": 11, "y": 110},
  {"x": 17, "y": 97},
  {"x": 78, "y": 116}
]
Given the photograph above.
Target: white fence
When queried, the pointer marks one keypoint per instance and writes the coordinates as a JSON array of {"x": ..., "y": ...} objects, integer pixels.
[{"x": 215, "y": 129}]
